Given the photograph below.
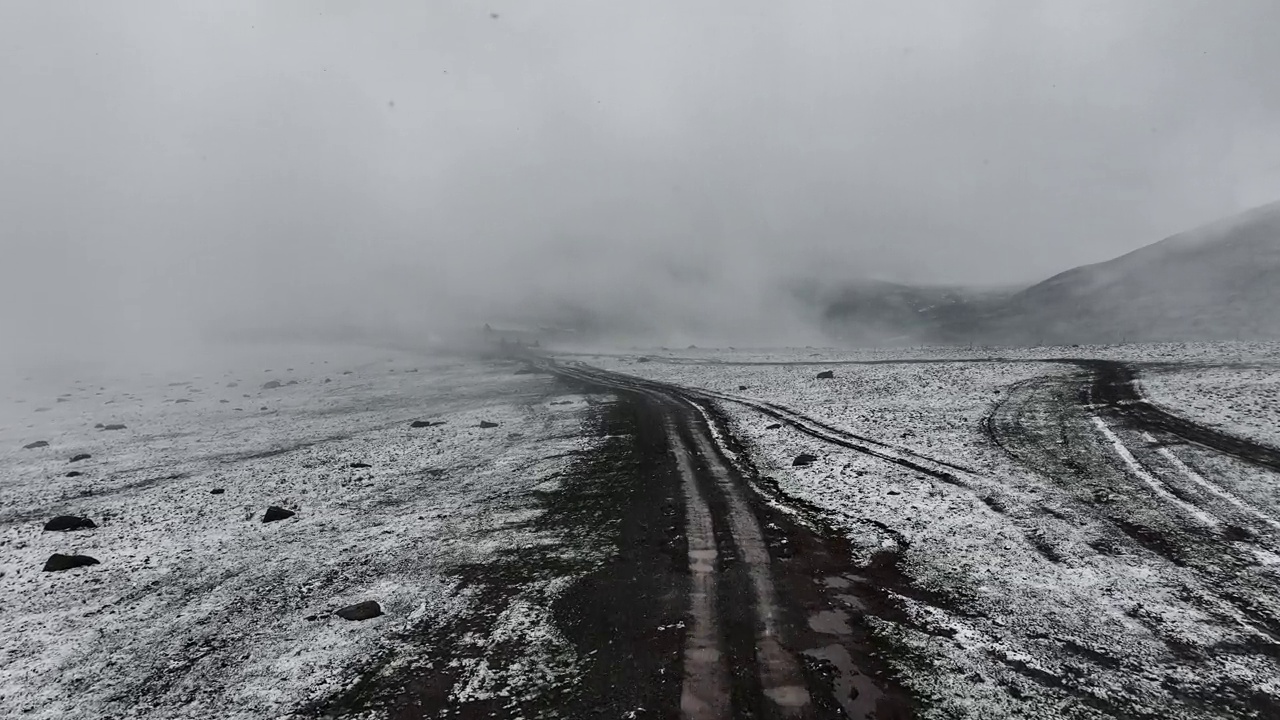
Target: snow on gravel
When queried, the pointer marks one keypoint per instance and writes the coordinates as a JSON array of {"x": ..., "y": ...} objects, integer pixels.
[
  {"x": 198, "y": 608},
  {"x": 1015, "y": 553},
  {"x": 1243, "y": 400}
]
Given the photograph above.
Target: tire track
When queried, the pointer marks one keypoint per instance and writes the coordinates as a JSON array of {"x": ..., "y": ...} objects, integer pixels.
[{"x": 781, "y": 680}]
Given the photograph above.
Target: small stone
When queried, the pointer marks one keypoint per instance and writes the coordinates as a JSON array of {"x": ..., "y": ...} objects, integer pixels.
[
  {"x": 271, "y": 385},
  {"x": 804, "y": 459},
  {"x": 487, "y": 424},
  {"x": 114, "y": 426},
  {"x": 181, "y": 400},
  {"x": 775, "y": 426},
  {"x": 74, "y": 473},
  {"x": 826, "y": 375},
  {"x": 361, "y": 611},
  {"x": 99, "y": 426},
  {"x": 274, "y": 513},
  {"x": 63, "y": 523},
  {"x": 742, "y": 387},
  {"x": 420, "y": 424},
  {"x": 34, "y": 445},
  {"x": 59, "y": 562},
  {"x": 217, "y": 491},
  {"x": 358, "y": 465},
  {"x": 81, "y": 456}
]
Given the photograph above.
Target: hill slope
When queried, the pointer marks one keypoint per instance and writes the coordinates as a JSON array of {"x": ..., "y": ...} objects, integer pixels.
[{"x": 1218, "y": 282}]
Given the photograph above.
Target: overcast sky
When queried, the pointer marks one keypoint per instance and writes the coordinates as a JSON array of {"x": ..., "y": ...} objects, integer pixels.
[{"x": 168, "y": 165}]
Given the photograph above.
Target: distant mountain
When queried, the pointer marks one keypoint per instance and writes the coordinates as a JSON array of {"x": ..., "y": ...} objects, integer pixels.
[{"x": 1218, "y": 282}]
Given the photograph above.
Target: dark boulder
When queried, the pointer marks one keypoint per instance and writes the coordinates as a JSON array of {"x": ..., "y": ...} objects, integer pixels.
[
  {"x": 775, "y": 426},
  {"x": 59, "y": 562},
  {"x": 274, "y": 513},
  {"x": 420, "y": 424},
  {"x": 742, "y": 387},
  {"x": 359, "y": 465},
  {"x": 113, "y": 426},
  {"x": 181, "y": 400},
  {"x": 81, "y": 456},
  {"x": 271, "y": 385},
  {"x": 99, "y": 426},
  {"x": 63, "y": 523},
  {"x": 217, "y": 491},
  {"x": 74, "y": 473},
  {"x": 826, "y": 375},
  {"x": 34, "y": 445},
  {"x": 804, "y": 459},
  {"x": 366, "y": 610},
  {"x": 487, "y": 424}
]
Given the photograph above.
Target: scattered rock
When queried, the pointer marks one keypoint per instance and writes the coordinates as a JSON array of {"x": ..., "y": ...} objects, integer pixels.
[
  {"x": 420, "y": 424},
  {"x": 81, "y": 456},
  {"x": 826, "y": 375},
  {"x": 312, "y": 618},
  {"x": 181, "y": 400},
  {"x": 366, "y": 610},
  {"x": 487, "y": 424},
  {"x": 358, "y": 465},
  {"x": 271, "y": 385},
  {"x": 59, "y": 562},
  {"x": 644, "y": 360},
  {"x": 742, "y": 387},
  {"x": 99, "y": 426},
  {"x": 113, "y": 426},
  {"x": 233, "y": 384},
  {"x": 264, "y": 407},
  {"x": 327, "y": 381},
  {"x": 61, "y": 399},
  {"x": 217, "y": 491},
  {"x": 274, "y": 513},
  {"x": 292, "y": 382},
  {"x": 74, "y": 473},
  {"x": 34, "y": 445},
  {"x": 804, "y": 459},
  {"x": 63, "y": 523},
  {"x": 775, "y": 426},
  {"x": 347, "y": 372},
  {"x": 224, "y": 402}
]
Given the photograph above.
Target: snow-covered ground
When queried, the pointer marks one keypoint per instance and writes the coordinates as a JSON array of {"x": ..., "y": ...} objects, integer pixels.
[
  {"x": 1025, "y": 598},
  {"x": 198, "y": 609},
  {"x": 1244, "y": 400}
]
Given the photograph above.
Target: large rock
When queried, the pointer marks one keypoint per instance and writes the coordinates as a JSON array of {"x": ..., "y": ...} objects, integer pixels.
[
  {"x": 274, "y": 513},
  {"x": 271, "y": 385},
  {"x": 59, "y": 562},
  {"x": 826, "y": 375},
  {"x": 487, "y": 424},
  {"x": 420, "y": 424},
  {"x": 114, "y": 426},
  {"x": 34, "y": 445},
  {"x": 81, "y": 456},
  {"x": 366, "y": 610},
  {"x": 69, "y": 522},
  {"x": 804, "y": 459}
]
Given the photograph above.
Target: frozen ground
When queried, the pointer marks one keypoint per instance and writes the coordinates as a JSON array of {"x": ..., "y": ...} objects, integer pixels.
[
  {"x": 1057, "y": 562},
  {"x": 1239, "y": 398},
  {"x": 198, "y": 609}
]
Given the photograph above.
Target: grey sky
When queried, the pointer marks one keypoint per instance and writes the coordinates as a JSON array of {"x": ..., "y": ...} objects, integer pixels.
[{"x": 172, "y": 165}]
